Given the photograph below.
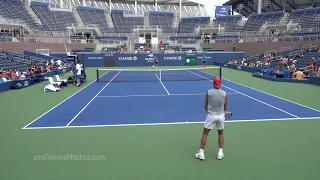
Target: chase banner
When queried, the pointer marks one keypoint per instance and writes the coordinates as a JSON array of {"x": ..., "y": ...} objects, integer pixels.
[{"x": 223, "y": 10}]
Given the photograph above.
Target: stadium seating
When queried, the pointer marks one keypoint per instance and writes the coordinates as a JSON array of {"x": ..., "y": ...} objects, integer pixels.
[
  {"x": 8, "y": 61},
  {"x": 307, "y": 18},
  {"x": 95, "y": 16},
  {"x": 16, "y": 10},
  {"x": 163, "y": 19},
  {"x": 188, "y": 25},
  {"x": 4, "y": 36},
  {"x": 124, "y": 24},
  {"x": 228, "y": 22},
  {"x": 256, "y": 21},
  {"x": 53, "y": 20}
]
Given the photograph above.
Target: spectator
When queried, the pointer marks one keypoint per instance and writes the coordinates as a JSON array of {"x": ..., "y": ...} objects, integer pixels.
[
  {"x": 52, "y": 62},
  {"x": 299, "y": 75},
  {"x": 161, "y": 43},
  {"x": 3, "y": 78},
  {"x": 74, "y": 69}
]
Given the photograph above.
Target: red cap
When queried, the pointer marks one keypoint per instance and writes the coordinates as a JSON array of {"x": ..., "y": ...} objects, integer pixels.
[{"x": 217, "y": 83}]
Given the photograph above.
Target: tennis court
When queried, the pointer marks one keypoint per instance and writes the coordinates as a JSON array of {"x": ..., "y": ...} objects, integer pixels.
[
  {"x": 154, "y": 97},
  {"x": 256, "y": 148}
]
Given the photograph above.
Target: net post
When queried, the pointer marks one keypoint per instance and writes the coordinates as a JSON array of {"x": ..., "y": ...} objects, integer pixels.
[
  {"x": 97, "y": 75},
  {"x": 220, "y": 72}
]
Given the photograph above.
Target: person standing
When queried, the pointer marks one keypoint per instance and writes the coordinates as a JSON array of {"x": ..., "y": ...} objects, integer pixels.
[
  {"x": 216, "y": 103},
  {"x": 78, "y": 73}
]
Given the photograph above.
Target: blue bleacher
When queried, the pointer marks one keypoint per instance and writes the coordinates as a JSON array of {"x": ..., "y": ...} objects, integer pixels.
[
  {"x": 10, "y": 62},
  {"x": 188, "y": 25},
  {"x": 228, "y": 22},
  {"x": 306, "y": 17},
  {"x": 14, "y": 9},
  {"x": 256, "y": 21},
  {"x": 124, "y": 24},
  {"x": 163, "y": 19},
  {"x": 95, "y": 16},
  {"x": 56, "y": 21}
]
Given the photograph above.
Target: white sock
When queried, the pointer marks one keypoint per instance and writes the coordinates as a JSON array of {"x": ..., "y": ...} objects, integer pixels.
[
  {"x": 220, "y": 150},
  {"x": 201, "y": 151}
]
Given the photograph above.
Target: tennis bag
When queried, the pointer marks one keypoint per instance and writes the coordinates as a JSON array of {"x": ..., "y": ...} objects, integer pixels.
[{"x": 71, "y": 80}]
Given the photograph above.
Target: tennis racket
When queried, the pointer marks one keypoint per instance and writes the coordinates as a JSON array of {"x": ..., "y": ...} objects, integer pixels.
[{"x": 228, "y": 115}]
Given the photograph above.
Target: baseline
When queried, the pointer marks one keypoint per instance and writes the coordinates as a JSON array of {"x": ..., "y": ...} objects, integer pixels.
[{"x": 173, "y": 123}]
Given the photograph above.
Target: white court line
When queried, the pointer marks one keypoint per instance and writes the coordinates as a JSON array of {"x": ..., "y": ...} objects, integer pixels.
[
  {"x": 92, "y": 100},
  {"x": 173, "y": 123},
  {"x": 250, "y": 97},
  {"x": 163, "y": 85},
  {"x": 154, "y": 95},
  {"x": 61, "y": 102},
  {"x": 267, "y": 93}
]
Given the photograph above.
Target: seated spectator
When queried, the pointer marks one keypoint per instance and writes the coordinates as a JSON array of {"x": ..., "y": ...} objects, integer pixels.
[
  {"x": 318, "y": 71},
  {"x": 299, "y": 75},
  {"x": 161, "y": 43}
]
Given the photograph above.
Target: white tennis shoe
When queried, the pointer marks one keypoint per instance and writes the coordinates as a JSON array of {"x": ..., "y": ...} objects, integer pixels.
[
  {"x": 220, "y": 155},
  {"x": 200, "y": 155}
]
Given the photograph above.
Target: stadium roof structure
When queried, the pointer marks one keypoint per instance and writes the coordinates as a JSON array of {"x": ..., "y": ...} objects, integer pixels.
[
  {"x": 160, "y": 2},
  {"x": 249, "y": 6}
]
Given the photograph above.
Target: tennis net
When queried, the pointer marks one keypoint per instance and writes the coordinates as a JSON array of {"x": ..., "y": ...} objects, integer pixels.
[{"x": 137, "y": 75}]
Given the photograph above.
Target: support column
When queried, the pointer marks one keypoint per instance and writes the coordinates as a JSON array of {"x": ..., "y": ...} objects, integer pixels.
[
  {"x": 82, "y": 2},
  {"x": 61, "y": 4},
  {"x": 180, "y": 8},
  {"x": 135, "y": 7},
  {"x": 259, "y": 6},
  {"x": 110, "y": 6},
  {"x": 156, "y": 4}
]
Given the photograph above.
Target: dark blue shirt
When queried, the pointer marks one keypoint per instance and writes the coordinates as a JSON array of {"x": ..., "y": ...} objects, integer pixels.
[{"x": 74, "y": 69}]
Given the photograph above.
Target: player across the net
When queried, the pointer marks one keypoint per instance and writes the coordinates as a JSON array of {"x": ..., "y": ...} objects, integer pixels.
[{"x": 140, "y": 75}]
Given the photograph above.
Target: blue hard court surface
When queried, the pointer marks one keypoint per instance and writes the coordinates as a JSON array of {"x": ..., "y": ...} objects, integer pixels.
[{"x": 163, "y": 102}]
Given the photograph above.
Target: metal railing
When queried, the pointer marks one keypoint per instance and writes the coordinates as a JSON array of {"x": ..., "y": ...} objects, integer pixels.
[
  {"x": 43, "y": 51},
  {"x": 5, "y": 39},
  {"x": 298, "y": 52},
  {"x": 52, "y": 33},
  {"x": 299, "y": 38},
  {"x": 286, "y": 48},
  {"x": 43, "y": 40},
  {"x": 256, "y": 39},
  {"x": 152, "y": 27},
  {"x": 313, "y": 48},
  {"x": 269, "y": 52}
]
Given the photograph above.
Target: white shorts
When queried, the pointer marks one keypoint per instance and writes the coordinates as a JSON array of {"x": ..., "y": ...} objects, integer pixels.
[{"x": 214, "y": 121}]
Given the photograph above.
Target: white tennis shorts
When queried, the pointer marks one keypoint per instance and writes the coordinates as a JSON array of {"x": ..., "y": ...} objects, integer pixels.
[{"x": 214, "y": 121}]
